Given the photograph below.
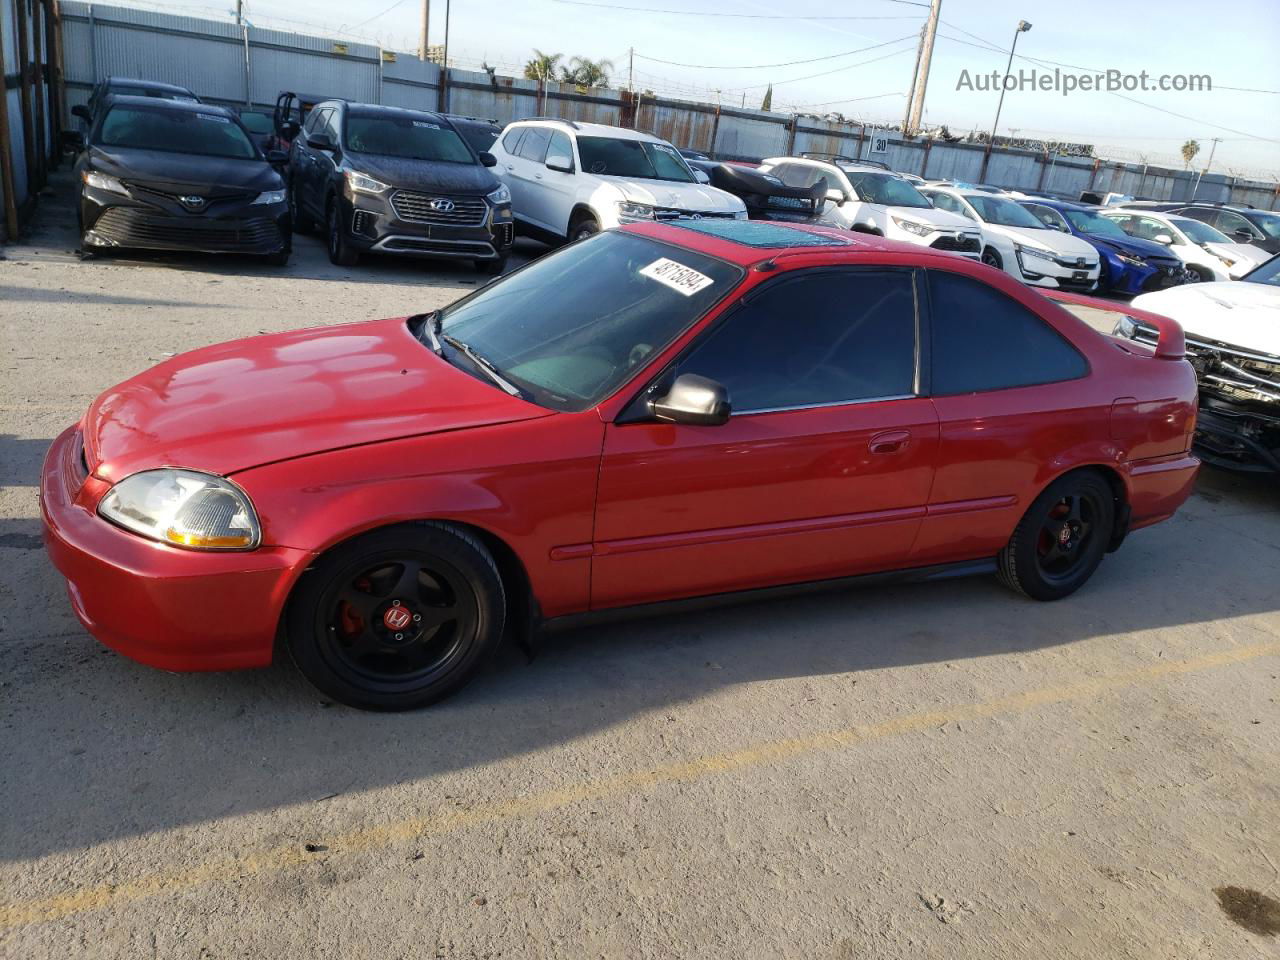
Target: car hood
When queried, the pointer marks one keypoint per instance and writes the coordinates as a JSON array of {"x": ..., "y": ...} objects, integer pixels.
[
  {"x": 1239, "y": 252},
  {"x": 195, "y": 174},
  {"x": 249, "y": 402},
  {"x": 1239, "y": 313},
  {"x": 681, "y": 196},
  {"x": 1133, "y": 246},
  {"x": 938, "y": 218},
  {"x": 1058, "y": 243},
  {"x": 431, "y": 176}
]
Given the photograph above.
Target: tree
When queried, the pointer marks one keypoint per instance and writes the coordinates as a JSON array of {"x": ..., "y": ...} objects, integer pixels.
[
  {"x": 767, "y": 104},
  {"x": 586, "y": 72},
  {"x": 542, "y": 66},
  {"x": 1189, "y": 151}
]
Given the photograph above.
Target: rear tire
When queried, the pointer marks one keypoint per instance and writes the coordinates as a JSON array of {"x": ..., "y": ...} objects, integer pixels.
[
  {"x": 341, "y": 252},
  {"x": 342, "y": 627},
  {"x": 1061, "y": 539},
  {"x": 1198, "y": 275}
]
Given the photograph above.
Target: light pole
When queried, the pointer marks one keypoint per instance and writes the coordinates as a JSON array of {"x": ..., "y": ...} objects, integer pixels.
[{"x": 1023, "y": 27}]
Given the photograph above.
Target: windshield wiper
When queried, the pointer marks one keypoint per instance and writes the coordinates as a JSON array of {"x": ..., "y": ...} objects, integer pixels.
[{"x": 483, "y": 364}]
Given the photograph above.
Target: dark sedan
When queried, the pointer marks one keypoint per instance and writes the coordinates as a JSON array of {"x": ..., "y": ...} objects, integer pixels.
[{"x": 167, "y": 175}]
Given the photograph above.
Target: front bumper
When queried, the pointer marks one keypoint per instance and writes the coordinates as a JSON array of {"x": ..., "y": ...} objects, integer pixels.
[
  {"x": 1057, "y": 274},
  {"x": 391, "y": 224},
  {"x": 1131, "y": 279},
  {"x": 113, "y": 221},
  {"x": 165, "y": 607}
]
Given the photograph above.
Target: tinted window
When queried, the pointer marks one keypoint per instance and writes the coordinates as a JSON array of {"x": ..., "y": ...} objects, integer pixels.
[
  {"x": 1200, "y": 213},
  {"x": 604, "y": 306},
  {"x": 1232, "y": 222},
  {"x": 534, "y": 145},
  {"x": 407, "y": 136},
  {"x": 1048, "y": 216},
  {"x": 176, "y": 131},
  {"x": 512, "y": 138},
  {"x": 479, "y": 135},
  {"x": 826, "y": 338},
  {"x": 1086, "y": 221},
  {"x": 609, "y": 157},
  {"x": 885, "y": 188},
  {"x": 982, "y": 340},
  {"x": 314, "y": 119},
  {"x": 256, "y": 122}
]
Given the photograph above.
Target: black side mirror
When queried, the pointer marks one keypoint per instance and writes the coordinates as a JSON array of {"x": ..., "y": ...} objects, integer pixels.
[
  {"x": 71, "y": 141},
  {"x": 277, "y": 158},
  {"x": 488, "y": 159},
  {"x": 694, "y": 400},
  {"x": 321, "y": 141},
  {"x": 81, "y": 111}
]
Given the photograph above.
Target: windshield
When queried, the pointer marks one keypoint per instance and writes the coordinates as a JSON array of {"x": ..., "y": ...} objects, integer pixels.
[
  {"x": 408, "y": 137},
  {"x": 885, "y": 188},
  {"x": 639, "y": 159},
  {"x": 479, "y": 135},
  {"x": 1268, "y": 223},
  {"x": 603, "y": 306},
  {"x": 176, "y": 131},
  {"x": 1268, "y": 273},
  {"x": 1086, "y": 221},
  {"x": 1003, "y": 212},
  {"x": 1199, "y": 232},
  {"x": 256, "y": 122}
]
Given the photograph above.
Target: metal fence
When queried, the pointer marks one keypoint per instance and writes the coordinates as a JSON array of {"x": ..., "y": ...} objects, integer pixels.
[
  {"x": 29, "y": 114},
  {"x": 246, "y": 65}
]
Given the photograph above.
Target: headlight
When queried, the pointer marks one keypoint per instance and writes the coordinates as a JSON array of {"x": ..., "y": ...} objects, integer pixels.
[
  {"x": 501, "y": 195},
  {"x": 101, "y": 181},
  {"x": 362, "y": 183},
  {"x": 911, "y": 226},
  {"x": 1125, "y": 327},
  {"x": 1032, "y": 252},
  {"x": 1132, "y": 261},
  {"x": 634, "y": 211},
  {"x": 269, "y": 196},
  {"x": 184, "y": 508}
]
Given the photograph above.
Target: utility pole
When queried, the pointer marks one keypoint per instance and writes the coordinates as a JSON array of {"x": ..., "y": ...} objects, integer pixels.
[
  {"x": 911, "y": 97},
  {"x": 422, "y": 40},
  {"x": 444, "y": 67},
  {"x": 239, "y": 12},
  {"x": 1196, "y": 189},
  {"x": 926, "y": 55},
  {"x": 631, "y": 70}
]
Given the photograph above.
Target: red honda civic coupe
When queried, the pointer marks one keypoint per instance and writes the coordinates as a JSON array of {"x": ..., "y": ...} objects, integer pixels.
[{"x": 657, "y": 413}]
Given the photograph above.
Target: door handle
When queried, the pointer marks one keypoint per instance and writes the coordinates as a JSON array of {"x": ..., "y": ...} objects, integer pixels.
[
  {"x": 510, "y": 167},
  {"x": 537, "y": 176},
  {"x": 891, "y": 441}
]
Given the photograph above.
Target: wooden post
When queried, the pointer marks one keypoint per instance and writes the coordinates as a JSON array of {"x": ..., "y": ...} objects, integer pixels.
[
  {"x": 791, "y": 135},
  {"x": 58, "y": 98},
  {"x": 924, "y": 166},
  {"x": 6, "y": 154},
  {"x": 42, "y": 153},
  {"x": 24, "y": 94},
  {"x": 715, "y": 132}
]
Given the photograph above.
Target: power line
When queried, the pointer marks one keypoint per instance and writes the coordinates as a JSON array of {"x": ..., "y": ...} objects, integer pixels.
[
  {"x": 827, "y": 103},
  {"x": 379, "y": 16},
  {"x": 764, "y": 66},
  {"x": 733, "y": 16},
  {"x": 827, "y": 73}
]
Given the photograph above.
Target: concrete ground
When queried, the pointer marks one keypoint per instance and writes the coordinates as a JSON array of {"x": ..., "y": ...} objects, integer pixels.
[{"x": 928, "y": 771}]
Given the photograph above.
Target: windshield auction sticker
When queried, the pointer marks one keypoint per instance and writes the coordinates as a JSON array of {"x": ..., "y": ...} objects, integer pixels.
[{"x": 677, "y": 276}]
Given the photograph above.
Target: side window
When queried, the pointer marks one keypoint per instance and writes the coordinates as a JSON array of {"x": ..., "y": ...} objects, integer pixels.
[
  {"x": 1145, "y": 228},
  {"x": 1124, "y": 223},
  {"x": 1200, "y": 213},
  {"x": 331, "y": 121},
  {"x": 534, "y": 145},
  {"x": 1048, "y": 216},
  {"x": 983, "y": 340},
  {"x": 817, "y": 339},
  {"x": 796, "y": 174},
  {"x": 314, "y": 119},
  {"x": 560, "y": 146},
  {"x": 1231, "y": 223},
  {"x": 511, "y": 139}
]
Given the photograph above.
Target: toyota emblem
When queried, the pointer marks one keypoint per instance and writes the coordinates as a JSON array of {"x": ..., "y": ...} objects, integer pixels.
[
  {"x": 193, "y": 202},
  {"x": 442, "y": 205}
]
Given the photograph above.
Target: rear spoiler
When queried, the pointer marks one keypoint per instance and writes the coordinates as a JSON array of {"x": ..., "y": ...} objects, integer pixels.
[{"x": 1171, "y": 344}]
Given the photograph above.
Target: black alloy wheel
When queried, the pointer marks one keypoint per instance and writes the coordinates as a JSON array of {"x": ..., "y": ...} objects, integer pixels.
[{"x": 1062, "y": 538}]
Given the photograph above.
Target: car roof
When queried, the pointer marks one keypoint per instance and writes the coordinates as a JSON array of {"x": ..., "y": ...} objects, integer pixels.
[
  {"x": 583, "y": 128},
  {"x": 176, "y": 106},
  {"x": 1056, "y": 204},
  {"x": 748, "y": 242},
  {"x": 148, "y": 84},
  {"x": 380, "y": 110}
]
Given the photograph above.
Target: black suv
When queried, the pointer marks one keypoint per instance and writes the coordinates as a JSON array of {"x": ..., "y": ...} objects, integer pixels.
[{"x": 388, "y": 180}]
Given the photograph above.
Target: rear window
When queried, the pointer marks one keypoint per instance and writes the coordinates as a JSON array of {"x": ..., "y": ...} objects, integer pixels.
[
  {"x": 413, "y": 138},
  {"x": 176, "y": 131}
]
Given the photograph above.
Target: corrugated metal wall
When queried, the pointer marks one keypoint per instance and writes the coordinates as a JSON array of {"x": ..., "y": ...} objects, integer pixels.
[
  {"x": 28, "y": 140},
  {"x": 234, "y": 64}
]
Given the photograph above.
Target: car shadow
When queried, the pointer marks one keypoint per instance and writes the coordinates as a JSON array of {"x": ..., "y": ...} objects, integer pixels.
[{"x": 97, "y": 748}]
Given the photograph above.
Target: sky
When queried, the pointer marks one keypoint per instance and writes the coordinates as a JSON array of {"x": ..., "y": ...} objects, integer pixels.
[{"x": 734, "y": 50}]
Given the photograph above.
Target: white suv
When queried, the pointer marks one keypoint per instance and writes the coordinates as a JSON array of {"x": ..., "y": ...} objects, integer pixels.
[
  {"x": 873, "y": 200},
  {"x": 569, "y": 180},
  {"x": 1019, "y": 244}
]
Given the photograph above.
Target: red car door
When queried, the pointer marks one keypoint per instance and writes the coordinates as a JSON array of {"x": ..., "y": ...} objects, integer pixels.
[
  {"x": 823, "y": 470},
  {"x": 1012, "y": 395}
]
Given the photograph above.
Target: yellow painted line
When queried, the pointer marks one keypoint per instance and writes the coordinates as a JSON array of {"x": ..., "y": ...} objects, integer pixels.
[{"x": 110, "y": 895}]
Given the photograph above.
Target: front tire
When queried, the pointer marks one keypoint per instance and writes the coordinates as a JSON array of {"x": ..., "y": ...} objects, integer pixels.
[
  {"x": 491, "y": 268},
  {"x": 341, "y": 252},
  {"x": 583, "y": 226},
  {"x": 991, "y": 257},
  {"x": 1061, "y": 539},
  {"x": 398, "y": 618}
]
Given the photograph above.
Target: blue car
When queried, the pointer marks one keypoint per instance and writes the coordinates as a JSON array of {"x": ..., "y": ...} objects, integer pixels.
[{"x": 1129, "y": 265}]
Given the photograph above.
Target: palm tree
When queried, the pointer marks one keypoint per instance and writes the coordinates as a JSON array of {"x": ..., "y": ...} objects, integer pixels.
[
  {"x": 586, "y": 72},
  {"x": 1189, "y": 151},
  {"x": 542, "y": 66}
]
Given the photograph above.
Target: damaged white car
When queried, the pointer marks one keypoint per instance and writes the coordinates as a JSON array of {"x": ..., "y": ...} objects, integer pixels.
[{"x": 1233, "y": 341}]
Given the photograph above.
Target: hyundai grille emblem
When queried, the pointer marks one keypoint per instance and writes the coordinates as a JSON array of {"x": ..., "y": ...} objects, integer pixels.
[{"x": 442, "y": 205}]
